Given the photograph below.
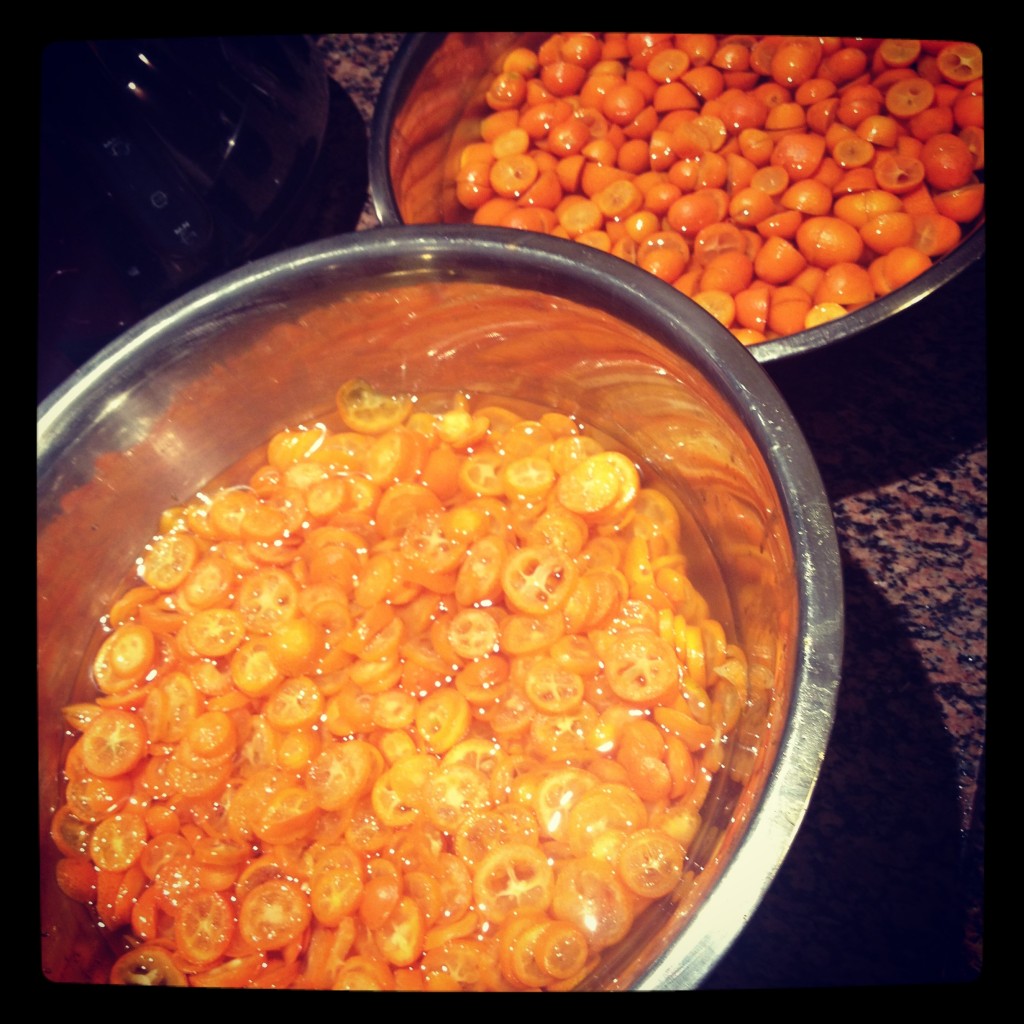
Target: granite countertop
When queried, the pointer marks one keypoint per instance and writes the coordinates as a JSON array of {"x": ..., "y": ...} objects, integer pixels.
[{"x": 884, "y": 882}]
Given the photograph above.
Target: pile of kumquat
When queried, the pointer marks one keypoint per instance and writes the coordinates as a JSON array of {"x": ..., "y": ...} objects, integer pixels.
[
  {"x": 779, "y": 181},
  {"x": 426, "y": 702}
]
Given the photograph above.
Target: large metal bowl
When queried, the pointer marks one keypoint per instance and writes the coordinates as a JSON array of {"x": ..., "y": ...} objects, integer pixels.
[
  {"x": 184, "y": 394},
  {"x": 434, "y": 83}
]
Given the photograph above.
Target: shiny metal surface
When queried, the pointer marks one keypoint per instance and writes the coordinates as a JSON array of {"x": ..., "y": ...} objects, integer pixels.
[
  {"x": 416, "y": 134},
  {"x": 185, "y": 393}
]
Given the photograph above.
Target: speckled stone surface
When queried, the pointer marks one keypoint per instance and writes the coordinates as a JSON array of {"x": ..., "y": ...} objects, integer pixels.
[{"x": 884, "y": 882}]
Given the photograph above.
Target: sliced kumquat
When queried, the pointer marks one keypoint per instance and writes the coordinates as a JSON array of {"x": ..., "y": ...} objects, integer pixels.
[
  {"x": 651, "y": 863},
  {"x": 896, "y": 268},
  {"x": 935, "y": 234},
  {"x": 799, "y": 153},
  {"x": 273, "y": 915},
  {"x": 749, "y": 206},
  {"x": 513, "y": 879},
  {"x": 214, "y": 632},
  {"x": 960, "y": 63},
  {"x": 909, "y": 96},
  {"x": 365, "y": 409},
  {"x": 679, "y": 126},
  {"x": 342, "y": 773},
  {"x": 117, "y": 842},
  {"x": 787, "y": 313},
  {"x": 974, "y": 139},
  {"x": 785, "y": 117},
  {"x": 809, "y": 196},
  {"x": 577, "y": 214},
  {"x": 113, "y": 743},
  {"x": 782, "y": 224},
  {"x": 125, "y": 656},
  {"x": 204, "y": 926},
  {"x": 728, "y": 271},
  {"x": 857, "y": 208},
  {"x": 720, "y": 304},
  {"x": 844, "y": 284},
  {"x": 443, "y": 719},
  {"x": 665, "y": 264},
  {"x": 963, "y": 204},
  {"x": 885, "y": 231},
  {"x": 642, "y": 668},
  {"x": 899, "y": 53},
  {"x": 169, "y": 560},
  {"x": 148, "y": 964},
  {"x": 822, "y": 313},
  {"x": 826, "y": 240},
  {"x": 589, "y": 895},
  {"x": 76, "y": 878},
  {"x": 778, "y": 261},
  {"x": 931, "y": 121},
  {"x": 969, "y": 110},
  {"x": 117, "y": 893},
  {"x": 513, "y": 174}
]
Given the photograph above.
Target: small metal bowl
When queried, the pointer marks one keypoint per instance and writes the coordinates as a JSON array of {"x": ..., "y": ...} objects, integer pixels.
[
  {"x": 190, "y": 390},
  {"x": 417, "y": 126}
]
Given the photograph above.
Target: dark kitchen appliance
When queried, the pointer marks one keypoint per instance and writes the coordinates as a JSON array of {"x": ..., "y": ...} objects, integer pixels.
[{"x": 164, "y": 162}]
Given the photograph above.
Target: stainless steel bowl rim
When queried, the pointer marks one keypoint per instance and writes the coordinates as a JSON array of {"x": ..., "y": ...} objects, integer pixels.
[
  {"x": 606, "y": 282},
  {"x": 412, "y": 55}
]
